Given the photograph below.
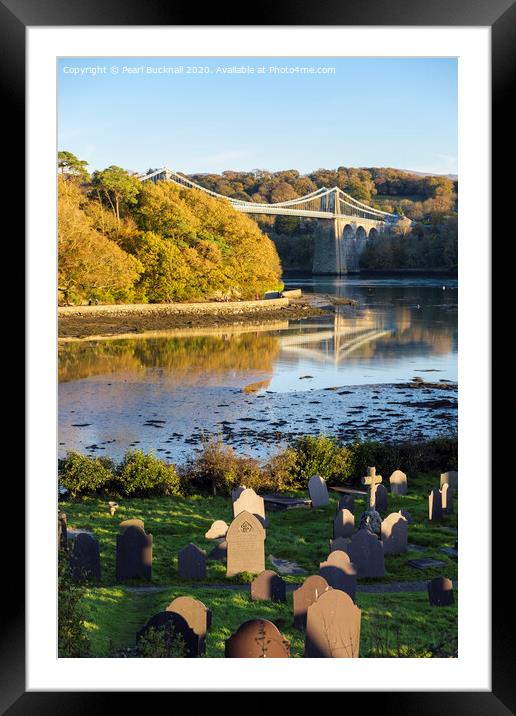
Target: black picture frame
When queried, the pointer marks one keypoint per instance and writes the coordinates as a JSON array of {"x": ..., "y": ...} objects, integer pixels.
[{"x": 500, "y": 16}]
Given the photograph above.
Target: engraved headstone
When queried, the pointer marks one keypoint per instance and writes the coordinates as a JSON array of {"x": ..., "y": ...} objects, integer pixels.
[
  {"x": 340, "y": 572},
  {"x": 268, "y": 587},
  {"x": 333, "y": 627},
  {"x": 447, "y": 499},
  {"x": 395, "y": 534},
  {"x": 366, "y": 553},
  {"x": 217, "y": 530},
  {"x": 343, "y": 524},
  {"x": 174, "y": 625},
  {"x": 191, "y": 562},
  {"x": 307, "y": 594},
  {"x": 85, "y": 558},
  {"x": 341, "y": 543},
  {"x": 318, "y": 491},
  {"x": 257, "y": 639},
  {"x": 346, "y": 502},
  {"x": 398, "y": 482},
  {"x": 381, "y": 497},
  {"x": 440, "y": 592},
  {"x": 249, "y": 501},
  {"x": 196, "y": 615},
  {"x": 245, "y": 539},
  {"x": 450, "y": 478},
  {"x": 435, "y": 510},
  {"x": 133, "y": 554},
  {"x": 219, "y": 553}
]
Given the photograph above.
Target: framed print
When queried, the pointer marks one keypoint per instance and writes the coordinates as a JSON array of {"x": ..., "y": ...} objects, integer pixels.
[{"x": 259, "y": 290}]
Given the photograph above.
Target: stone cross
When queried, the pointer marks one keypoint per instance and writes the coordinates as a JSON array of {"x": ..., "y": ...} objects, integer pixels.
[{"x": 371, "y": 479}]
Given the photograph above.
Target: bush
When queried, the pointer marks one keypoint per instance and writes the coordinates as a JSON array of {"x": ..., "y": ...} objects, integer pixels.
[
  {"x": 71, "y": 631},
  {"x": 81, "y": 474},
  {"x": 280, "y": 471},
  {"x": 322, "y": 456},
  {"x": 141, "y": 475},
  {"x": 218, "y": 468},
  {"x": 161, "y": 643},
  {"x": 411, "y": 457}
]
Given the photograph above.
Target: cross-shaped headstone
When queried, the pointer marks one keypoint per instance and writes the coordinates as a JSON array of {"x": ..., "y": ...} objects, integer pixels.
[{"x": 371, "y": 479}]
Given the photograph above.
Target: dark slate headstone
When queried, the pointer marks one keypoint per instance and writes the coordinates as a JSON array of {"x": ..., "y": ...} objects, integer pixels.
[
  {"x": 62, "y": 529},
  {"x": 440, "y": 592},
  {"x": 257, "y": 639},
  {"x": 366, "y": 553},
  {"x": 219, "y": 553},
  {"x": 191, "y": 562},
  {"x": 381, "y": 497},
  {"x": 346, "y": 502},
  {"x": 245, "y": 539},
  {"x": 340, "y": 573},
  {"x": 343, "y": 524},
  {"x": 447, "y": 499},
  {"x": 318, "y": 491},
  {"x": 406, "y": 514},
  {"x": 196, "y": 615},
  {"x": 435, "y": 510},
  {"x": 85, "y": 558},
  {"x": 307, "y": 594},
  {"x": 172, "y": 620},
  {"x": 276, "y": 503},
  {"x": 425, "y": 563},
  {"x": 333, "y": 627},
  {"x": 268, "y": 587},
  {"x": 398, "y": 482},
  {"x": 341, "y": 543},
  {"x": 395, "y": 534},
  {"x": 133, "y": 554}
]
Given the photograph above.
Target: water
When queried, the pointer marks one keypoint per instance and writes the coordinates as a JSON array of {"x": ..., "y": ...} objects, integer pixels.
[{"x": 161, "y": 394}]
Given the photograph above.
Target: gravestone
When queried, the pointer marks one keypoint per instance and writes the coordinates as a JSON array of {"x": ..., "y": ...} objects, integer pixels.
[
  {"x": 340, "y": 573},
  {"x": 268, "y": 587},
  {"x": 191, "y": 562},
  {"x": 305, "y": 595},
  {"x": 341, "y": 543},
  {"x": 219, "y": 553},
  {"x": 217, "y": 530},
  {"x": 398, "y": 482},
  {"x": 179, "y": 625},
  {"x": 235, "y": 494},
  {"x": 366, "y": 553},
  {"x": 395, "y": 534},
  {"x": 333, "y": 627},
  {"x": 131, "y": 523},
  {"x": 62, "y": 530},
  {"x": 381, "y": 497},
  {"x": 245, "y": 539},
  {"x": 133, "y": 554},
  {"x": 371, "y": 480},
  {"x": 371, "y": 520},
  {"x": 406, "y": 514},
  {"x": 343, "y": 524},
  {"x": 257, "y": 639},
  {"x": 425, "y": 563},
  {"x": 346, "y": 502},
  {"x": 440, "y": 592},
  {"x": 447, "y": 499},
  {"x": 435, "y": 510},
  {"x": 284, "y": 566},
  {"x": 249, "y": 501},
  {"x": 196, "y": 615},
  {"x": 276, "y": 503},
  {"x": 318, "y": 491},
  {"x": 85, "y": 558},
  {"x": 450, "y": 478}
]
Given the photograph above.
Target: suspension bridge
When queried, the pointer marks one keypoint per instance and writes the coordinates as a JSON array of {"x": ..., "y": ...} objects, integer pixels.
[{"x": 344, "y": 223}]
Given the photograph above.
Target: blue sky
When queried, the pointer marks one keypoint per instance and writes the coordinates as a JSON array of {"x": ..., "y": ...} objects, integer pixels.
[{"x": 396, "y": 112}]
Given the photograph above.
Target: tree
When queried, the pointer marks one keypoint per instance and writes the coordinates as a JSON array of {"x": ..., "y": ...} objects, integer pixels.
[
  {"x": 116, "y": 187},
  {"x": 68, "y": 164}
]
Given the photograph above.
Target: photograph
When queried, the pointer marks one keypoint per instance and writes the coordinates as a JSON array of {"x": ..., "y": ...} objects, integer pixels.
[{"x": 257, "y": 290}]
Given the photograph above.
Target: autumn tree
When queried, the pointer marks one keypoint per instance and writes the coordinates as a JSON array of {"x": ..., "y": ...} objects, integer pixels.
[
  {"x": 116, "y": 188},
  {"x": 72, "y": 167}
]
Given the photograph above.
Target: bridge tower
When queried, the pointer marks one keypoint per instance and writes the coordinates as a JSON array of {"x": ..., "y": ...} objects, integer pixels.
[{"x": 339, "y": 243}]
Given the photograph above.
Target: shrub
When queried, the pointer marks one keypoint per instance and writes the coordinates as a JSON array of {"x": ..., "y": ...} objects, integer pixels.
[
  {"x": 411, "y": 457},
  {"x": 71, "y": 631},
  {"x": 81, "y": 474},
  {"x": 161, "y": 643},
  {"x": 141, "y": 475},
  {"x": 280, "y": 470},
  {"x": 218, "y": 467},
  {"x": 322, "y": 456}
]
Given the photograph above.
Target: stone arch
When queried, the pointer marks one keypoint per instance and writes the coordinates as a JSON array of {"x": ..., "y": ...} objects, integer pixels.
[
  {"x": 373, "y": 233},
  {"x": 348, "y": 232},
  {"x": 361, "y": 233}
]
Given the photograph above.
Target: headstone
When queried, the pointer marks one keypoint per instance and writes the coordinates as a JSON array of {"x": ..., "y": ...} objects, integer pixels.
[
  {"x": 371, "y": 520},
  {"x": 340, "y": 573},
  {"x": 406, "y": 514},
  {"x": 268, "y": 587},
  {"x": 398, "y": 482},
  {"x": 249, "y": 501},
  {"x": 366, "y": 553},
  {"x": 283, "y": 566},
  {"x": 371, "y": 480},
  {"x": 435, "y": 510},
  {"x": 131, "y": 523},
  {"x": 235, "y": 494},
  {"x": 305, "y": 595},
  {"x": 450, "y": 478},
  {"x": 257, "y": 639},
  {"x": 440, "y": 592},
  {"x": 343, "y": 524},
  {"x": 62, "y": 529},
  {"x": 425, "y": 563},
  {"x": 85, "y": 558},
  {"x": 276, "y": 503},
  {"x": 333, "y": 627},
  {"x": 245, "y": 539},
  {"x": 196, "y": 615},
  {"x": 219, "y": 553},
  {"x": 381, "y": 497},
  {"x": 346, "y": 502},
  {"x": 133, "y": 554},
  {"x": 341, "y": 543},
  {"x": 179, "y": 625},
  {"x": 318, "y": 491},
  {"x": 217, "y": 530},
  {"x": 191, "y": 562},
  {"x": 447, "y": 499},
  {"x": 395, "y": 534}
]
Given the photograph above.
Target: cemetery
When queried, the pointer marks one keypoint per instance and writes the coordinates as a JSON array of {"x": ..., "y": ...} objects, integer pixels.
[{"x": 324, "y": 573}]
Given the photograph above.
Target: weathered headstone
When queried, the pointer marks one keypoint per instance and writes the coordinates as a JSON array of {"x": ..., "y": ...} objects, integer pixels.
[
  {"x": 381, "y": 498},
  {"x": 366, "y": 553},
  {"x": 217, "y": 530},
  {"x": 133, "y": 554},
  {"x": 249, "y": 501},
  {"x": 406, "y": 514},
  {"x": 85, "y": 558},
  {"x": 196, "y": 615},
  {"x": 341, "y": 543},
  {"x": 395, "y": 534},
  {"x": 435, "y": 510},
  {"x": 257, "y": 639},
  {"x": 346, "y": 502},
  {"x": 318, "y": 491},
  {"x": 245, "y": 539},
  {"x": 450, "y": 478},
  {"x": 447, "y": 499},
  {"x": 425, "y": 563},
  {"x": 371, "y": 520},
  {"x": 218, "y": 553},
  {"x": 343, "y": 524},
  {"x": 62, "y": 529},
  {"x": 440, "y": 592},
  {"x": 371, "y": 480},
  {"x": 398, "y": 482},
  {"x": 305, "y": 595},
  {"x": 191, "y": 562},
  {"x": 340, "y": 572},
  {"x": 131, "y": 523},
  {"x": 333, "y": 627},
  {"x": 268, "y": 587},
  {"x": 284, "y": 566},
  {"x": 178, "y": 627}
]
